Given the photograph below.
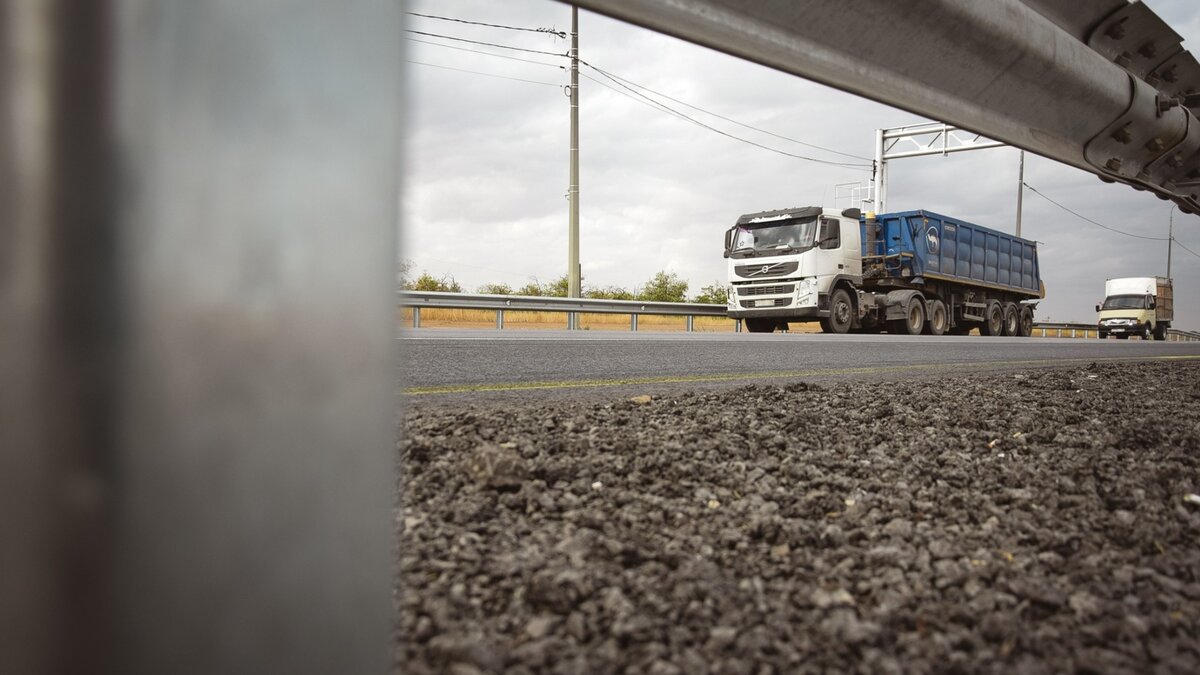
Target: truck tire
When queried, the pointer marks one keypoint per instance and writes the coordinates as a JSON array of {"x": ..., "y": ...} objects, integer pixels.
[
  {"x": 841, "y": 313},
  {"x": 1160, "y": 332},
  {"x": 993, "y": 320},
  {"x": 1012, "y": 319},
  {"x": 1025, "y": 327},
  {"x": 939, "y": 320},
  {"x": 1146, "y": 332},
  {"x": 914, "y": 318},
  {"x": 1102, "y": 335},
  {"x": 760, "y": 325}
]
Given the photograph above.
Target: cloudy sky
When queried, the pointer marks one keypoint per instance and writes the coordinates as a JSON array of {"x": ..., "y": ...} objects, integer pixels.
[{"x": 487, "y": 162}]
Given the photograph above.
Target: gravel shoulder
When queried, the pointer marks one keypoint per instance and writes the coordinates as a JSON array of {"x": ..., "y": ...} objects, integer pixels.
[{"x": 1016, "y": 522}]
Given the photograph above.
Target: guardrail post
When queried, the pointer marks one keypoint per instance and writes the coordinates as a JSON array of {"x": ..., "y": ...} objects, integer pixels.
[
  {"x": 416, "y": 317},
  {"x": 633, "y": 322},
  {"x": 691, "y": 324},
  {"x": 1072, "y": 332},
  {"x": 1057, "y": 332},
  {"x": 1043, "y": 332},
  {"x": 737, "y": 325},
  {"x": 499, "y": 319}
]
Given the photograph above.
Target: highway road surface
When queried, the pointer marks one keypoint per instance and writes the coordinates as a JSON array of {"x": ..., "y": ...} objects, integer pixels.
[{"x": 456, "y": 366}]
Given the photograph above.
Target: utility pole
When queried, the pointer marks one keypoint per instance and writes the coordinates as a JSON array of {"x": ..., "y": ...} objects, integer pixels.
[
  {"x": 1021, "y": 191},
  {"x": 573, "y": 272},
  {"x": 1170, "y": 236}
]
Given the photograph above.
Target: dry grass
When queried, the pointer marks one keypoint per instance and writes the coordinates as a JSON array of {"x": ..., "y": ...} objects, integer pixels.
[{"x": 486, "y": 318}]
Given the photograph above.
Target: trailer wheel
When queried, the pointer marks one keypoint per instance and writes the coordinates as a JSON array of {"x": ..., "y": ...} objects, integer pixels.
[
  {"x": 914, "y": 318},
  {"x": 1025, "y": 327},
  {"x": 993, "y": 320},
  {"x": 760, "y": 325},
  {"x": 1012, "y": 319},
  {"x": 841, "y": 313},
  {"x": 938, "y": 319}
]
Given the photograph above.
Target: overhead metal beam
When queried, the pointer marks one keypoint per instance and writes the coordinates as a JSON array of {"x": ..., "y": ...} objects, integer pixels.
[{"x": 1001, "y": 68}]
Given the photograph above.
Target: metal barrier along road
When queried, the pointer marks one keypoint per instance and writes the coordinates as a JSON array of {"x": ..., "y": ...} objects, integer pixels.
[
  {"x": 417, "y": 300},
  {"x": 571, "y": 306},
  {"x": 1088, "y": 330}
]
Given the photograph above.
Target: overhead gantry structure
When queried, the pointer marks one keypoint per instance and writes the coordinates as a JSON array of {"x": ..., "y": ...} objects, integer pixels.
[{"x": 1104, "y": 86}]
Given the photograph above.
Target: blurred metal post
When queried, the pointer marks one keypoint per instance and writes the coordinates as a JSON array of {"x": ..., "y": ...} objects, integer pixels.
[{"x": 196, "y": 335}]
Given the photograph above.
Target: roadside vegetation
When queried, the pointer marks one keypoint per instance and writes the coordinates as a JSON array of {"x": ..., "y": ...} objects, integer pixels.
[{"x": 662, "y": 287}]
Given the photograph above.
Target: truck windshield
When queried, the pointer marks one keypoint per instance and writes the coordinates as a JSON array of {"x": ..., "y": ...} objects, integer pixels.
[
  {"x": 1125, "y": 302},
  {"x": 774, "y": 237}
]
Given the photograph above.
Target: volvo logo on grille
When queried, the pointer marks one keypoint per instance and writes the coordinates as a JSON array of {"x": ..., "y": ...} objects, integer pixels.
[{"x": 765, "y": 268}]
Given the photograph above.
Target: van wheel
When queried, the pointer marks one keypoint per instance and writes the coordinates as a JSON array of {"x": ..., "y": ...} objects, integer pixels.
[
  {"x": 1025, "y": 327},
  {"x": 914, "y": 318},
  {"x": 841, "y": 313},
  {"x": 1146, "y": 332},
  {"x": 938, "y": 319},
  {"x": 993, "y": 323},
  {"x": 1012, "y": 319},
  {"x": 760, "y": 325}
]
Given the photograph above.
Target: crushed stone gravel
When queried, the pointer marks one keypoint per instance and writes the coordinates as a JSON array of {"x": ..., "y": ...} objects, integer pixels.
[{"x": 1039, "y": 522}]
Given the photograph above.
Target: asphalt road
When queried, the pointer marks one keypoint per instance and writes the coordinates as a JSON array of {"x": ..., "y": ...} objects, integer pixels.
[{"x": 457, "y": 366}]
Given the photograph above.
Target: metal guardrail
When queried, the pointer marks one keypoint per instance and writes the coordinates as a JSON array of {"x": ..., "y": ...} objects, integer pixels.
[
  {"x": 418, "y": 300},
  {"x": 1088, "y": 330}
]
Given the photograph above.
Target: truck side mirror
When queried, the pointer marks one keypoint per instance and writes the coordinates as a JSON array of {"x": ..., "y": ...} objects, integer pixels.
[
  {"x": 1153, "y": 304},
  {"x": 1097, "y": 308},
  {"x": 729, "y": 240}
]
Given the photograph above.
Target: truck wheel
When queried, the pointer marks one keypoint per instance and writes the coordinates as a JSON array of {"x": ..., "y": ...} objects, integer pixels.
[
  {"x": 1012, "y": 319},
  {"x": 1025, "y": 327},
  {"x": 1160, "y": 332},
  {"x": 914, "y": 318},
  {"x": 938, "y": 319},
  {"x": 1102, "y": 335},
  {"x": 1146, "y": 332},
  {"x": 760, "y": 325},
  {"x": 841, "y": 313},
  {"x": 993, "y": 323}
]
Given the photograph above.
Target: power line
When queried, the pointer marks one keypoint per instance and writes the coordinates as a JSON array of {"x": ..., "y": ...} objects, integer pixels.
[
  {"x": 476, "y": 72},
  {"x": 480, "y": 51},
  {"x": 488, "y": 44},
  {"x": 672, "y": 111},
  {"x": 550, "y": 31},
  {"x": 1186, "y": 248},
  {"x": 1111, "y": 229},
  {"x": 727, "y": 119}
]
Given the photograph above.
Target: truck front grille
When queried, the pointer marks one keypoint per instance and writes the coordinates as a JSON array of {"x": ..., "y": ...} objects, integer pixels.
[
  {"x": 759, "y": 304},
  {"x": 766, "y": 290}
]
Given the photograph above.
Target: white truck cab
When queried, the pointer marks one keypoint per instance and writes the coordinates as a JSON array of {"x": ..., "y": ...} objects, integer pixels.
[{"x": 787, "y": 263}]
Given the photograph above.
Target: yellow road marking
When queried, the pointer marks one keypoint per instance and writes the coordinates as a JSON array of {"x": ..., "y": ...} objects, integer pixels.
[{"x": 730, "y": 377}]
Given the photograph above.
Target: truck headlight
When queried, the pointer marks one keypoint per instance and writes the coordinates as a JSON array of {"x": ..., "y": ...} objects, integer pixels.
[{"x": 731, "y": 297}]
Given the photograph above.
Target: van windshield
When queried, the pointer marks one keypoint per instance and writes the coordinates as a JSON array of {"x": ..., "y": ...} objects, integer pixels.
[
  {"x": 1126, "y": 302},
  {"x": 774, "y": 238}
]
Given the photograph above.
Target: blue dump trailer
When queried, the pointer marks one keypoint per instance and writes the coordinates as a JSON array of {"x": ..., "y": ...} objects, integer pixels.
[{"x": 907, "y": 272}]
